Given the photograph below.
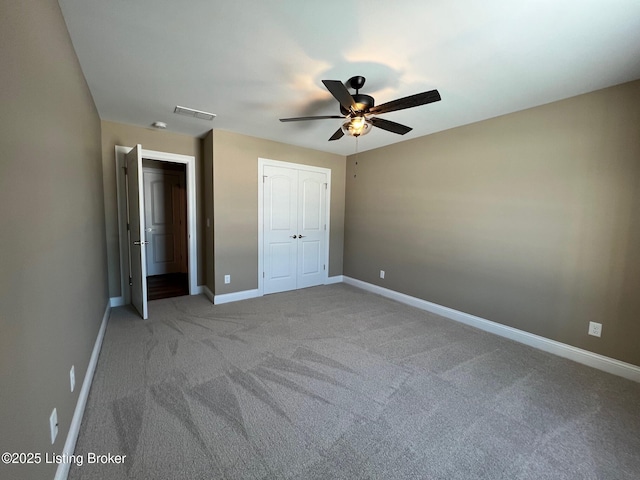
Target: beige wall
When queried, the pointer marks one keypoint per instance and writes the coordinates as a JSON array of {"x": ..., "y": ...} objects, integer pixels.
[
  {"x": 530, "y": 219},
  {"x": 235, "y": 204},
  {"x": 53, "y": 275},
  {"x": 151, "y": 139}
]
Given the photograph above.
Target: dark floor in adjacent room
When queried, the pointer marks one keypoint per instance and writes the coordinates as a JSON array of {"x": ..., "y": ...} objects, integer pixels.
[{"x": 167, "y": 286}]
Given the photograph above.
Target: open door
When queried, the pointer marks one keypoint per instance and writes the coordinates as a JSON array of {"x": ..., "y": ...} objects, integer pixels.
[{"x": 137, "y": 249}]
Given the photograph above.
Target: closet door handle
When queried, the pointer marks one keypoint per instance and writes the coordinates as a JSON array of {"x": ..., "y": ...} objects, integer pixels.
[
  {"x": 301, "y": 236},
  {"x": 293, "y": 236},
  {"x": 140, "y": 243}
]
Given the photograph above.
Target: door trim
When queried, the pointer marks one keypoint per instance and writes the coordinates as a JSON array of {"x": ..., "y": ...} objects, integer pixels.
[
  {"x": 192, "y": 226},
  {"x": 262, "y": 162}
]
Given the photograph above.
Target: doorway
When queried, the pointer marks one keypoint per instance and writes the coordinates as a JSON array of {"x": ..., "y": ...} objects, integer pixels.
[
  {"x": 132, "y": 229},
  {"x": 165, "y": 215}
]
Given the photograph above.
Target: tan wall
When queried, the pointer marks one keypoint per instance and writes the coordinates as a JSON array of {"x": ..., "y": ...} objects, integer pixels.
[
  {"x": 235, "y": 200},
  {"x": 529, "y": 219},
  {"x": 151, "y": 139},
  {"x": 53, "y": 275}
]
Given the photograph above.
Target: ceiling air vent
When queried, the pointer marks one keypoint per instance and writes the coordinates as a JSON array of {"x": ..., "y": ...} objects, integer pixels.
[{"x": 190, "y": 112}]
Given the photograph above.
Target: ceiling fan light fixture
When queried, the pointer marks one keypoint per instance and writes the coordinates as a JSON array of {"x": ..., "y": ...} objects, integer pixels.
[{"x": 357, "y": 126}]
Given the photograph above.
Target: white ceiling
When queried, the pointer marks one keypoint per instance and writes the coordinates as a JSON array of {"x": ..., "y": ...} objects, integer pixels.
[{"x": 254, "y": 61}]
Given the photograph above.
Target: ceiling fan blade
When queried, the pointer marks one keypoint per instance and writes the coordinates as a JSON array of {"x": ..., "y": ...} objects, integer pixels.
[
  {"x": 340, "y": 92},
  {"x": 407, "y": 102},
  {"x": 390, "y": 126},
  {"x": 298, "y": 119},
  {"x": 337, "y": 135}
]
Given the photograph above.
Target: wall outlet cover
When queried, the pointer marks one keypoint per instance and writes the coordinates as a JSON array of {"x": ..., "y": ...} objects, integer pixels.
[
  {"x": 595, "y": 329},
  {"x": 227, "y": 279}
]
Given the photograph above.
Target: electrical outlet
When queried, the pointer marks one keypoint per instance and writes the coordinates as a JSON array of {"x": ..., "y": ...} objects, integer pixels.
[
  {"x": 381, "y": 273},
  {"x": 227, "y": 279},
  {"x": 72, "y": 377},
  {"x": 595, "y": 329},
  {"x": 53, "y": 425}
]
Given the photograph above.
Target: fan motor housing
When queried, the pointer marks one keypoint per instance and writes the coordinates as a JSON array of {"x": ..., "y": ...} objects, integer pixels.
[{"x": 363, "y": 103}]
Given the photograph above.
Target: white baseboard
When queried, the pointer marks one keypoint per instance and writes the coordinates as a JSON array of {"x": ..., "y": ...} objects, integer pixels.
[
  {"x": 198, "y": 290},
  {"x": 335, "y": 279},
  {"x": 236, "y": 296},
  {"x": 247, "y": 294},
  {"x": 208, "y": 293},
  {"x": 116, "y": 302},
  {"x": 74, "y": 429},
  {"x": 607, "y": 364}
]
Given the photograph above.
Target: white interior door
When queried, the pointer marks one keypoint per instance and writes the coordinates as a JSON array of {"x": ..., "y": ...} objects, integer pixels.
[
  {"x": 164, "y": 221},
  {"x": 135, "y": 211},
  {"x": 294, "y": 222}
]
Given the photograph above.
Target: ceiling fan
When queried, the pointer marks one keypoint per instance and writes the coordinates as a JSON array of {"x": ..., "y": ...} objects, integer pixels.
[{"x": 359, "y": 110}]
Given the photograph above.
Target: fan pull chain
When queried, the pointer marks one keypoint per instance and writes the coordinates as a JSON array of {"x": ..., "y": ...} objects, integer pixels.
[{"x": 356, "y": 167}]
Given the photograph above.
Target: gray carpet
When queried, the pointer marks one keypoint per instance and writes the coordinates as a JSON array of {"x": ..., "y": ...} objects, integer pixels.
[{"x": 336, "y": 383}]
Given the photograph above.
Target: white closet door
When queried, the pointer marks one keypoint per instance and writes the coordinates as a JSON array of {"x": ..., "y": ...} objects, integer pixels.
[
  {"x": 311, "y": 228},
  {"x": 280, "y": 225},
  {"x": 294, "y": 228}
]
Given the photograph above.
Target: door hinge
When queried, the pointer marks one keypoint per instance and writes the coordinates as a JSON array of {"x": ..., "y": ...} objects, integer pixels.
[
  {"x": 325, "y": 226},
  {"x": 262, "y": 274},
  {"x": 325, "y": 186},
  {"x": 130, "y": 282},
  {"x": 263, "y": 177},
  {"x": 128, "y": 227},
  {"x": 324, "y": 267},
  {"x": 126, "y": 170}
]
